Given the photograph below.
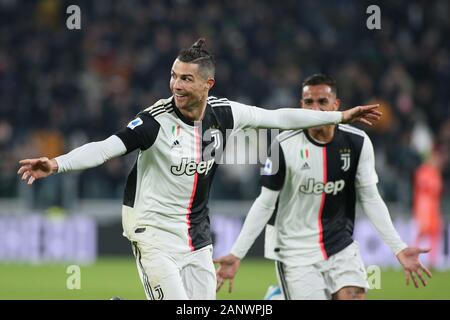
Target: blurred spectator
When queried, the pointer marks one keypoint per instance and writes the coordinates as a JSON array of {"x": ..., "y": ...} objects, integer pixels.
[
  {"x": 90, "y": 82},
  {"x": 428, "y": 186}
]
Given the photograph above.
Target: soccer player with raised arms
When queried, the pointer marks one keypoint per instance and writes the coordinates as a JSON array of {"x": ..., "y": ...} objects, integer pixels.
[{"x": 165, "y": 211}]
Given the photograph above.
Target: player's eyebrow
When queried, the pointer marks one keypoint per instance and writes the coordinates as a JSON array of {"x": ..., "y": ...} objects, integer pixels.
[
  {"x": 318, "y": 100},
  {"x": 182, "y": 75}
]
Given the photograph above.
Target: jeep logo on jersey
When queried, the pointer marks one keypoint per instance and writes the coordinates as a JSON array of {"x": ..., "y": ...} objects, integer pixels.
[
  {"x": 331, "y": 187},
  {"x": 190, "y": 167}
]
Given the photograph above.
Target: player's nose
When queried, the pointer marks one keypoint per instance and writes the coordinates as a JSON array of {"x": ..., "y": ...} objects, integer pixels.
[
  {"x": 177, "y": 85},
  {"x": 315, "y": 106}
]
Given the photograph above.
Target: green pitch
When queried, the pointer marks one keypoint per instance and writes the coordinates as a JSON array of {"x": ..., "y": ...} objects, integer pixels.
[{"x": 110, "y": 277}]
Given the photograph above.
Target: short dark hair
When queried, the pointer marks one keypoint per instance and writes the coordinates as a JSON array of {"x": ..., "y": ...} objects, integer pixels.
[
  {"x": 318, "y": 79},
  {"x": 199, "y": 55}
]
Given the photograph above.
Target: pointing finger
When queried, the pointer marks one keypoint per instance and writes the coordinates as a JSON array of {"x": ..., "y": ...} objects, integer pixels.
[
  {"x": 22, "y": 169},
  {"x": 372, "y": 116},
  {"x": 370, "y": 106},
  {"x": 31, "y": 180},
  {"x": 25, "y": 175},
  {"x": 362, "y": 120},
  {"x": 426, "y": 271},
  {"x": 419, "y": 274},
  {"x": 219, "y": 285},
  {"x": 414, "y": 280},
  {"x": 29, "y": 161},
  {"x": 407, "y": 277}
]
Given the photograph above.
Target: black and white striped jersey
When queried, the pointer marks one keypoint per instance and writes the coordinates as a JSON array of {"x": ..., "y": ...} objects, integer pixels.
[
  {"x": 167, "y": 190},
  {"x": 315, "y": 211}
]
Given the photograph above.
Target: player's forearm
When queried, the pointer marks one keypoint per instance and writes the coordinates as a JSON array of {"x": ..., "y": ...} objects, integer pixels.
[
  {"x": 256, "y": 219},
  {"x": 91, "y": 154},
  {"x": 378, "y": 213},
  {"x": 293, "y": 119}
]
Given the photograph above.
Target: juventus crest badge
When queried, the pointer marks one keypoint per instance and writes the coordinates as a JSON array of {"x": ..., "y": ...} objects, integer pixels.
[
  {"x": 215, "y": 133},
  {"x": 345, "y": 157}
]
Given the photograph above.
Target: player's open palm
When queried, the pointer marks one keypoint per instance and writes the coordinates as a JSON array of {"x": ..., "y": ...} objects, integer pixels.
[
  {"x": 228, "y": 267},
  {"x": 364, "y": 114},
  {"x": 33, "y": 169},
  {"x": 409, "y": 259}
]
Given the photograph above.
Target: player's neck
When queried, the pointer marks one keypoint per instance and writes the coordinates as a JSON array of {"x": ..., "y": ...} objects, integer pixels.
[
  {"x": 322, "y": 134},
  {"x": 196, "y": 113}
]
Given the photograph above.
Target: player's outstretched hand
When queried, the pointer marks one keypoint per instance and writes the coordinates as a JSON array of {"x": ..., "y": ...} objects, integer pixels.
[
  {"x": 33, "y": 169},
  {"x": 409, "y": 259},
  {"x": 364, "y": 114},
  {"x": 228, "y": 267}
]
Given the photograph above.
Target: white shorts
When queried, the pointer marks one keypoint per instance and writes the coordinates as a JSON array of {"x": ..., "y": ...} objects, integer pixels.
[
  {"x": 319, "y": 281},
  {"x": 176, "y": 277}
]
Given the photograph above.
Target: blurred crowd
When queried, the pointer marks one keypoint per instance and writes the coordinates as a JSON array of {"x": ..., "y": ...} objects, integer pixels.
[{"x": 61, "y": 88}]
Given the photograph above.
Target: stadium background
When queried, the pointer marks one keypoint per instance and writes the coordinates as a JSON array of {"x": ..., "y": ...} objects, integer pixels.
[{"x": 61, "y": 88}]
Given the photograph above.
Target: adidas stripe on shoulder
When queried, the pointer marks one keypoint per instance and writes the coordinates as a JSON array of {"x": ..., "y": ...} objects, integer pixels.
[
  {"x": 285, "y": 135},
  {"x": 160, "y": 107},
  {"x": 350, "y": 129},
  {"x": 218, "y": 102}
]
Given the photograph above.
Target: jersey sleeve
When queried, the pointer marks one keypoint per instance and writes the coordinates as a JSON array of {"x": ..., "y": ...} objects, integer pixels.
[
  {"x": 376, "y": 210},
  {"x": 274, "y": 172},
  {"x": 365, "y": 173},
  {"x": 91, "y": 154},
  {"x": 258, "y": 216},
  {"x": 140, "y": 133},
  {"x": 246, "y": 116}
]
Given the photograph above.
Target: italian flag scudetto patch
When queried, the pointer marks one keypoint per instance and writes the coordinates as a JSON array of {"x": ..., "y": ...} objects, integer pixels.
[{"x": 304, "y": 153}]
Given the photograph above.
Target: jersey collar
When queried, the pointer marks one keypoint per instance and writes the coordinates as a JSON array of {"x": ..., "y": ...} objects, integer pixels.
[
  {"x": 183, "y": 118},
  {"x": 321, "y": 144}
]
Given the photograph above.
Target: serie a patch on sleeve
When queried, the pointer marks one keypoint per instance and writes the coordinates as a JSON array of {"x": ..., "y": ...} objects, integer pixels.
[
  {"x": 135, "y": 123},
  {"x": 268, "y": 167}
]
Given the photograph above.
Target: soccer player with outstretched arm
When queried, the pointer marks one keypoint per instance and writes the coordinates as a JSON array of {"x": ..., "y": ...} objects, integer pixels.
[
  {"x": 308, "y": 197},
  {"x": 165, "y": 205}
]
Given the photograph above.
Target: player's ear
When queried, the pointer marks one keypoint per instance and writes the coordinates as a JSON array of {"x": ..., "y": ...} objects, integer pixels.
[
  {"x": 337, "y": 104},
  {"x": 210, "y": 83}
]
